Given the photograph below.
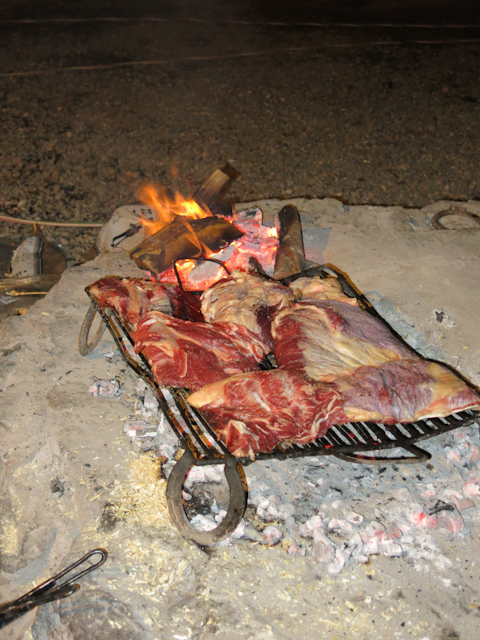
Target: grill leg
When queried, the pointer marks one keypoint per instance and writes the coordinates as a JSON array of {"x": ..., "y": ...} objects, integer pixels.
[
  {"x": 238, "y": 500},
  {"x": 418, "y": 455},
  {"x": 83, "y": 346}
]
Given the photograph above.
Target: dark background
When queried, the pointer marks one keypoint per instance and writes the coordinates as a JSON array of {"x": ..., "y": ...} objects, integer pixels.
[{"x": 321, "y": 112}]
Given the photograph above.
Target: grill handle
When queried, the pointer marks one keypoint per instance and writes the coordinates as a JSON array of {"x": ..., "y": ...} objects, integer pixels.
[
  {"x": 238, "y": 500},
  {"x": 83, "y": 345}
]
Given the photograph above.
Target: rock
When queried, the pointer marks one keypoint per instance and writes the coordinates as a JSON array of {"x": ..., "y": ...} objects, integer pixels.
[
  {"x": 296, "y": 550},
  {"x": 104, "y": 388},
  {"x": 272, "y": 535},
  {"x": 250, "y": 533}
]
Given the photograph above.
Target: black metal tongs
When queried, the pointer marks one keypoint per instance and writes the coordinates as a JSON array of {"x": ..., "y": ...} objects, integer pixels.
[{"x": 52, "y": 589}]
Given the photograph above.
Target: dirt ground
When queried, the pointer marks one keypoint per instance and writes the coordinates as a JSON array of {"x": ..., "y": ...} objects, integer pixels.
[{"x": 321, "y": 112}]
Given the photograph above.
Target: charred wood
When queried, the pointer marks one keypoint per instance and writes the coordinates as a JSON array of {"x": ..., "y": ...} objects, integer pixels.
[
  {"x": 211, "y": 190},
  {"x": 290, "y": 258},
  {"x": 182, "y": 239}
]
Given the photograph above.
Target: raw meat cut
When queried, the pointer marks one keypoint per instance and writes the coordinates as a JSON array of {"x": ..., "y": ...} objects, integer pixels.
[
  {"x": 133, "y": 297},
  {"x": 258, "y": 411},
  {"x": 404, "y": 391},
  {"x": 318, "y": 288},
  {"x": 337, "y": 364},
  {"x": 326, "y": 339},
  {"x": 246, "y": 299},
  {"x": 193, "y": 354}
]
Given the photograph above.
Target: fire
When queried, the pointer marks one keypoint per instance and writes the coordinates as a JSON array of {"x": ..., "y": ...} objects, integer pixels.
[
  {"x": 195, "y": 240},
  {"x": 259, "y": 242},
  {"x": 256, "y": 249},
  {"x": 167, "y": 206}
]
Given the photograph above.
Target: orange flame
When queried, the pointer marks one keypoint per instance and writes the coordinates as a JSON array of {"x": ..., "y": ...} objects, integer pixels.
[
  {"x": 194, "y": 239},
  {"x": 167, "y": 206}
]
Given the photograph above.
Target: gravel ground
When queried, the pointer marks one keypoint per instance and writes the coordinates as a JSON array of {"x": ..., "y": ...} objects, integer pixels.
[{"x": 364, "y": 124}]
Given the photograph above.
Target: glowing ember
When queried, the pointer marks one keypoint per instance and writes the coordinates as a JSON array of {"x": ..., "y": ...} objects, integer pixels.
[
  {"x": 258, "y": 245},
  {"x": 256, "y": 250}
]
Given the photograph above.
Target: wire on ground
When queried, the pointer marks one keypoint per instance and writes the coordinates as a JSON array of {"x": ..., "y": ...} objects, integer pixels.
[
  {"x": 50, "y": 223},
  {"x": 246, "y": 23},
  {"x": 230, "y": 56}
]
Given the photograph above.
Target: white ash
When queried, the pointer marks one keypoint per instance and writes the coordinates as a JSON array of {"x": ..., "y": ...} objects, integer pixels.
[
  {"x": 392, "y": 510},
  {"x": 273, "y": 535},
  {"x": 338, "y": 514},
  {"x": 150, "y": 402},
  {"x": 205, "y": 473},
  {"x": 104, "y": 388},
  {"x": 203, "y": 523}
]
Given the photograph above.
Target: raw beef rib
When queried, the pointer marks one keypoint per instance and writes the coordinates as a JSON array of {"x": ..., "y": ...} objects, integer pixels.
[
  {"x": 133, "y": 297},
  {"x": 193, "y": 354},
  {"x": 404, "y": 391},
  {"x": 246, "y": 299},
  {"x": 326, "y": 339},
  {"x": 258, "y": 411}
]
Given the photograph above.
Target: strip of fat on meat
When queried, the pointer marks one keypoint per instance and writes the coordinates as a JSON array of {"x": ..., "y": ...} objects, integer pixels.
[
  {"x": 258, "y": 411},
  {"x": 193, "y": 354},
  {"x": 246, "y": 299},
  {"x": 318, "y": 288},
  {"x": 133, "y": 297},
  {"x": 327, "y": 339},
  {"x": 404, "y": 391}
]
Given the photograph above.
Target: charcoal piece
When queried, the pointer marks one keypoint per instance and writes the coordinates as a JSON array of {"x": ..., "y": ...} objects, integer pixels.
[
  {"x": 182, "y": 239},
  {"x": 290, "y": 258}
]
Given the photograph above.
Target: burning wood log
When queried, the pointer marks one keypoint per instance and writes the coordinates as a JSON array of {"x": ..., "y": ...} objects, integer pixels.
[
  {"x": 211, "y": 190},
  {"x": 290, "y": 258},
  {"x": 184, "y": 238}
]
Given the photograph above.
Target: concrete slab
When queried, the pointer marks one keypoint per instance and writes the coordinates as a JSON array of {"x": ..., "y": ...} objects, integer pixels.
[{"x": 375, "y": 566}]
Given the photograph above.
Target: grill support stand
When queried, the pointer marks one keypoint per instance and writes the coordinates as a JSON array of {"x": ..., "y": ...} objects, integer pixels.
[
  {"x": 335, "y": 445},
  {"x": 238, "y": 500}
]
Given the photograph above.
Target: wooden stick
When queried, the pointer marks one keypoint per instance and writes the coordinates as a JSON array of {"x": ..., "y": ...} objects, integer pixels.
[
  {"x": 290, "y": 258},
  {"x": 209, "y": 192}
]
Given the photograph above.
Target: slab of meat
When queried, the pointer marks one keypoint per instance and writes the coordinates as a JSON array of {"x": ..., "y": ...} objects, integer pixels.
[
  {"x": 246, "y": 299},
  {"x": 327, "y": 339},
  {"x": 133, "y": 297},
  {"x": 318, "y": 288},
  {"x": 193, "y": 354},
  {"x": 404, "y": 391},
  {"x": 258, "y": 411}
]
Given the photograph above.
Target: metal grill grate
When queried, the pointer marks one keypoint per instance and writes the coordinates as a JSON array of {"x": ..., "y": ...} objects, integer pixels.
[{"x": 347, "y": 441}]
